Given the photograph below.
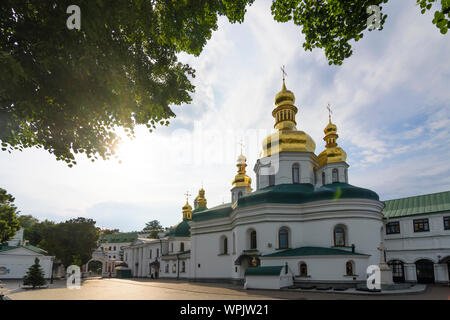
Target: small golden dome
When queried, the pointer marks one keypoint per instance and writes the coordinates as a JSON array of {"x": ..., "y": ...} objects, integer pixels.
[
  {"x": 242, "y": 179},
  {"x": 187, "y": 211},
  {"x": 332, "y": 152},
  {"x": 200, "y": 200}
]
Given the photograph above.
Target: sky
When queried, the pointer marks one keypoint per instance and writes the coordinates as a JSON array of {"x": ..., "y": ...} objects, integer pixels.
[{"x": 390, "y": 101}]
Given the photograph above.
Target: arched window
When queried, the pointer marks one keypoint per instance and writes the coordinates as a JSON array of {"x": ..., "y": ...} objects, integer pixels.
[
  {"x": 239, "y": 194},
  {"x": 183, "y": 266},
  {"x": 323, "y": 178},
  {"x": 253, "y": 239},
  {"x": 295, "y": 173},
  {"x": 174, "y": 268},
  {"x": 157, "y": 252},
  {"x": 335, "y": 175},
  {"x": 283, "y": 238},
  {"x": 150, "y": 254},
  {"x": 182, "y": 246},
  {"x": 339, "y": 236},
  {"x": 271, "y": 180},
  {"x": 303, "y": 269},
  {"x": 349, "y": 266},
  {"x": 167, "y": 268}
]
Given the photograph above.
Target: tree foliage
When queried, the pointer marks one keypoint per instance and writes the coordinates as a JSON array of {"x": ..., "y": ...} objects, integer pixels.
[
  {"x": 9, "y": 223},
  {"x": 68, "y": 90},
  {"x": 34, "y": 276},
  {"x": 441, "y": 17},
  {"x": 332, "y": 25}
]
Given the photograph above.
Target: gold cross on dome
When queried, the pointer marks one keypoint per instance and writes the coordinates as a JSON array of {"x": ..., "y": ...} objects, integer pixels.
[
  {"x": 241, "y": 143},
  {"x": 329, "y": 111},
  {"x": 283, "y": 69},
  {"x": 187, "y": 194}
]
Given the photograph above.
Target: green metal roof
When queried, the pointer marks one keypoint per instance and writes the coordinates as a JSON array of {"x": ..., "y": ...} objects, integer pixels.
[
  {"x": 304, "y": 192},
  {"x": 263, "y": 271},
  {"x": 424, "y": 204},
  {"x": 199, "y": 209},
  {"x": 180, "y": 230},
  {"x": 312, "y": 251},
  {"x": 6, "y": 248},
  {"x": 176, "y": 254},
  {"x": 221, "y": 211},
  {"x": 120, "y": 237}
]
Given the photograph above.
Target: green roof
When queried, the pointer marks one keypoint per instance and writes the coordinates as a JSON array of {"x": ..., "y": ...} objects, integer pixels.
[
  {"x": 183, "y": 229},
  {"x": 178, "y": 253},
  {"x": 312, "y": 251},
  {"x": 29, "y": 247},
  {"x": 305, "y": 192},
  {"x": 221, "y": 211},
  {"x": 424, "y": 204},
  {"x": 199, "y": 209},
  {"x": 120, "y": 237},
  {"x": 263, "y": 271}
]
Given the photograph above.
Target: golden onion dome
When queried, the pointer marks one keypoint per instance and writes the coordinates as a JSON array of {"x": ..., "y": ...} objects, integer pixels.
[
  {"x": 332, "y": 152},
  {"x": 187, "y": 206},
  {"x": 241, "y": 179},
  {"x": 200, "y": 200},
  {"x": 286, "y": 138},
  {"x": 284, "y": 97}
]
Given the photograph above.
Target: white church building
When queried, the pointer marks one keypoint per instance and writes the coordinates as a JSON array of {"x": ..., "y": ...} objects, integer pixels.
[{"x": 303, "y": 224}]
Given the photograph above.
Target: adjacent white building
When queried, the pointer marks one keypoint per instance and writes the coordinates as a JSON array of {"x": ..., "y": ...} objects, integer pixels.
[{"x": 18, "y": 256}]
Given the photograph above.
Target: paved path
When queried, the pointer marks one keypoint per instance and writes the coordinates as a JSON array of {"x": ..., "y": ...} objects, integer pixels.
[{"x": 146, "y": 289}]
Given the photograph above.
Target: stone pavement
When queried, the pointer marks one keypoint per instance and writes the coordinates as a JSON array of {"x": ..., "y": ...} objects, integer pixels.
[{"x": 148, "y": 289}]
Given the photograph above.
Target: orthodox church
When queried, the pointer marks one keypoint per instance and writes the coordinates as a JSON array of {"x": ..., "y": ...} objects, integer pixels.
[{"x": 304, "y": 223}]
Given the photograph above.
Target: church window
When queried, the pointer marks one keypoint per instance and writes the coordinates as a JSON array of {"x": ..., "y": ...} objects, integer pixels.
[
  {"x": 303, "y": 269},
  {"x": 114, "y": 248},
  {"x": 349, "y": 268},
  {"x": 174, "y": 268},
  {"x": 335, "y": 176},
  {"x": 295, "y": 173},
  {"x": 239, "y": 194},
  {"x": 167, "y": 268},
  {"x": 271, "y": 180},
  {"x": 323, "y": 178},
  {"x": 171, "y": 247},
  {"x": 253, "y": 239},
  {"x": 283, "y": 237},
  {"x": 150, "y": 254},
  {"x": 447, "y": 223},
  {"x": 393, "y": 227},
  {"x": 157, "y": 252},
  {"x": 225, "y": 245},
  {"x": 346, "y": 175},
  {"x": 421, "y": 225},
  {"x": 234, "y": 242},
  {"x": 182, "y": 246},
  {"x": 183, "y": 266},
  {"x": 339, "y": 236}
]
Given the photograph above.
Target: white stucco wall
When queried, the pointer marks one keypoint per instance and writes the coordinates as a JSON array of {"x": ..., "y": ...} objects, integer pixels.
[{"x": 19, "y": 260}]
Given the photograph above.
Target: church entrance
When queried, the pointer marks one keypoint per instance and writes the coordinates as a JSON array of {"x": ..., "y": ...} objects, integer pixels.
[
  {"x": 398, "y": 271},
  {"x": 425, "y": 271}
]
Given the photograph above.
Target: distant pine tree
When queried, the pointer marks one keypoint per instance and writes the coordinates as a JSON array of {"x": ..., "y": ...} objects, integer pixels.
[{"x": 35, "y": 275}]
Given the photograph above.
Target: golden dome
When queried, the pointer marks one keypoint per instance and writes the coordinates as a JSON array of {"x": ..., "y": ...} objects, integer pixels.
[
  {"x": 332, "y": 152},
  {"x": 286, "y": 137},
  {"x": 187, "y": 211},
  {"x": 200, "y": 200},
  {"x": 242, "y": 179},
  {"x": 284, "y": 97}
]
